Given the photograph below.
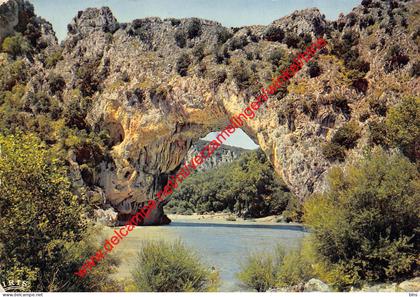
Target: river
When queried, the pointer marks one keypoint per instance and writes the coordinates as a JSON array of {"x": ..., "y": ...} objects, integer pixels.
[{"x": 223, "y": 245}]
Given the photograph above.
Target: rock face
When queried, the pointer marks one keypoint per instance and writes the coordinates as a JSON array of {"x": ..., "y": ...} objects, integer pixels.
[
  {"x": 315, "y": 285},
  {"x": 157, "y": 86},
  {"x": 411, "y": 285},
  {"x": 225, "y": 154}
]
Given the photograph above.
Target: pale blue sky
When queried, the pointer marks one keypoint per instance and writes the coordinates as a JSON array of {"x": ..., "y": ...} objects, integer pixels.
[{"x": 230, "y": 13}]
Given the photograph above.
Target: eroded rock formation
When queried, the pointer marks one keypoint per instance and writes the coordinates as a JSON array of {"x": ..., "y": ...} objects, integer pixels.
[{"x": 157, "y": 86}]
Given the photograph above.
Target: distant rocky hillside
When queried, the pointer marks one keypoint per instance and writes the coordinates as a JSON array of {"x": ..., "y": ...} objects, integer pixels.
[
  {"x": 225, "y": 154},
  {"x": 123, "y": 102}
]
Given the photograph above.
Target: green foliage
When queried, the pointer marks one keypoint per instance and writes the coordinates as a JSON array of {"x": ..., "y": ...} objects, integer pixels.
[
  {"x": 395, "y": 58},
  {"x": 194, "y": 28},
  {"x": 260, "y": 269},
  {"x": 295, "y": 269},
  {"x": 333, "y": 152},
  {"x": 15, "y": 45},
  {"x": 293, "y": 211},
  {"x": 241, "y": 74},
  {"x": 403, "y": 126},
  {"x": 171, "y": 267},
  {"x": 12, "y": 74},
  {"x": 180, "y": 38},
  {"x": 347, "y": 135},
  {"x": 223, "y": 35},
  {"x": 415, "y": 69},
  {"x": 292, "y": 40},
  {"x": 44, "y": 230},
  {"x": 247, "y": 186},
  {"x": 277, "y": 56},
  {"x": 53, "y": 58},
  {"x": 365, "y": 228},
  {"x": 313, "y": 69},
  {"x": 238, "y": 42},
  {"x": 274, "y": 34},
  {"x": 198, "y": 51},
  {"x": 182, "y": 64},
  {"x": 377, "y": 133}
]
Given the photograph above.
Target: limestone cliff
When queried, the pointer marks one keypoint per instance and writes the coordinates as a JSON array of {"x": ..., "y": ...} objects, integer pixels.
[
  {"x": 225, "y": 154},
  {"x": 157, "y": 86}
]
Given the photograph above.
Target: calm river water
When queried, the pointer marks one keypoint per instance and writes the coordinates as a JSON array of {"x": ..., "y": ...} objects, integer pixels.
[{"x": 222, "y": 245}]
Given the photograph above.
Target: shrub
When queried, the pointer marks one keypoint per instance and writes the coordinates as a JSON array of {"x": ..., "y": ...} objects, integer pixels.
[
  {"x": 403, "y": 126},
  {"x": 293, "y": 210},
  {"x": 15, "y": 45},
  {"x": 37, "y": 205},
  {"x": 171, "y": 267},
  {"x": 198, "y": 52},
  {"x": 182, "y": 64},
  {"x": 231, "y": 218},
  {"x": 333, "y": 152},
  {"x": 276, "y": 57},
  {"x": 194, "y": 28},
  {"x": 12, "y": 74},
  {"x": 223, "y": 35},
  {"x": 366, "y": 3},
  {"x": 53, "y": 58},
  {"x": 221, "y": 76},
  {"x": 395, "y": 58},
  {"x": 241, "y": 75},
  {"x": 378, "y": 106},
  {"x": 295, "y": 269},
  {"x": 56, "y": 83},
  {"x": 347, "y": 135},
  {"x": 274, "y": 34},
  {"x": 238, "y": 43},
  {"x": 364, "y": 227},
  {"x": 259, "y": 270},
  {"x": 415, "y": 69},
  {"x": 292, "y": 40},
  {"x": 180, "y": 39},
  {"x": 377, "y": 133},
  {"x": 313, "y": 69}
]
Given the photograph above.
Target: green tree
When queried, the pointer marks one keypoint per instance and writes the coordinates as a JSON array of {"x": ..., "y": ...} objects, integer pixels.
[
  {"x": 171, "y": 267},
  {"x": 366, "y": 227},
  {"x": 259, "y": 271},
  {"x": 43, "y": 234},
  {"x": 403, "y": 126}
]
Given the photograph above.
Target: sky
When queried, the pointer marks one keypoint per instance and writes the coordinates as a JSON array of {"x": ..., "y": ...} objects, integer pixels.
[{"x": 230, "y": 13}]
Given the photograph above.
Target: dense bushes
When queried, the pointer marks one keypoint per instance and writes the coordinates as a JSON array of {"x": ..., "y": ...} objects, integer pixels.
[
  {"x": 262, "y": 271},
  {"x": 347, "y": 135},
  {"x": 313, "y": 69},
  {"x": 365, "y": 228},
  {"x": 246, "y": 186},
  {"x": 274, "y": 34},
  {"x": 238, "y": 42},
  {"x": 241, "y": 75},
  {"x": 180, "y": 38},
  {"x": 400, "y": 128},
  {"x": 344, "y": 138},
  {"x": 171, "y": 267},
  {"x": 395, "y": 58},
  {"x": 259, "y": 270},
  {"x": 15, "y": 45},
  {"x": 182, "y": 64},
  {"x": 403, "y": 126},
  {"x": 44, "y": 235},
  {"x": 194, "y": 28}
]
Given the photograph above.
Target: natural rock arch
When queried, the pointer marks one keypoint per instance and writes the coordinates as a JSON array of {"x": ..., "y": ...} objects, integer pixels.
[{"x": 157, "y": 94}]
